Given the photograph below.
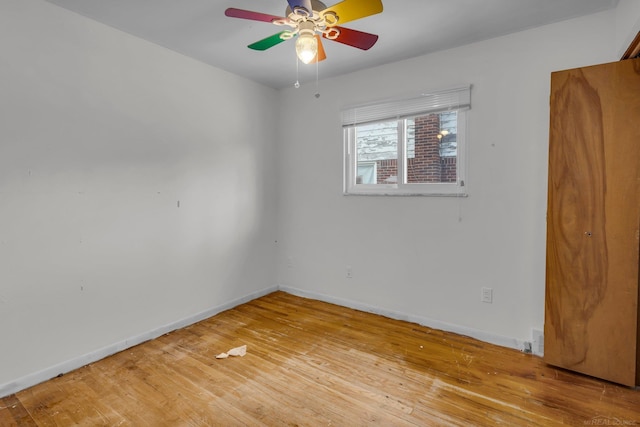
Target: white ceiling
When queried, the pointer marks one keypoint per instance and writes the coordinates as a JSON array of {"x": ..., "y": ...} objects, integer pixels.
[{"x": 407, "y": 28}]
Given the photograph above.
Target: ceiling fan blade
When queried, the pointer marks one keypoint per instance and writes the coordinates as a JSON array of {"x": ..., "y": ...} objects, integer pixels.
[
  {"x": 265, "y": 44},
  {"x": 355, "y": 38},
  {"x": 247, "y": 14},
  {"x": 301, "y": 3},
  {"x": 321, "y": 55},
  {"x": 350, "y": 10}
]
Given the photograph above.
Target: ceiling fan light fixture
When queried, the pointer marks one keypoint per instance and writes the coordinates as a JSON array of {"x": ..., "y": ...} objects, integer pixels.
[
  {"x": 306, "y": 46},
  {"x": 310, "y": 22}
]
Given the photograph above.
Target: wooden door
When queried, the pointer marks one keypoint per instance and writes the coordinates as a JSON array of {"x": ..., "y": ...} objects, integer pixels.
[{"x": 591, "y": 304}]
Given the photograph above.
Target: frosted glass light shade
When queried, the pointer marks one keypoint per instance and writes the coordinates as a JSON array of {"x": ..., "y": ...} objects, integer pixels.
[{"x": 306, "y": 47}]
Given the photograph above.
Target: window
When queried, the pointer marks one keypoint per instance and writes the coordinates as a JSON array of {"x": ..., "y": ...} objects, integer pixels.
[{"x": 410, "y": 146}]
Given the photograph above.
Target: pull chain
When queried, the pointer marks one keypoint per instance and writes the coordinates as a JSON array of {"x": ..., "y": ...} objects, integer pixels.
[{"x": 317, "y": 84}]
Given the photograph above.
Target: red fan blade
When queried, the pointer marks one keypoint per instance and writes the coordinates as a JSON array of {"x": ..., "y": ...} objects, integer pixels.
[
  {"x": 350, "y": 10},
  {"x": 355, "y": 38},
  {"x": 247, "y": 14},
  {"x": 321, "y": 55}
]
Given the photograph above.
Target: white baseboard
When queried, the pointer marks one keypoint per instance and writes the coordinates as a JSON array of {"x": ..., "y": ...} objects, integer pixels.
[
  {"x": 424, "y": 321},
  {"x": 78, "y": 362}
]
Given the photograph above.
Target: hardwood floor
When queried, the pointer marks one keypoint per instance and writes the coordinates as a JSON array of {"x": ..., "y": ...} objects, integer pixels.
[{"x": 310, "y": 363}]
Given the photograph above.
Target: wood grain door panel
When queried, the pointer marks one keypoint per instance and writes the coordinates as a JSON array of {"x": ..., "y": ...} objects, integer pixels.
[{"x": 591, "y": 305}]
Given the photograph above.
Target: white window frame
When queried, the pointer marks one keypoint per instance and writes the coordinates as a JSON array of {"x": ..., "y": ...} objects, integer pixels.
[{"x": 458, "y": 99}]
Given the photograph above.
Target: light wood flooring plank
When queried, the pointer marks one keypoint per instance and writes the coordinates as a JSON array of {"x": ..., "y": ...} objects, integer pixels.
[{"x": 310, "y": 363}]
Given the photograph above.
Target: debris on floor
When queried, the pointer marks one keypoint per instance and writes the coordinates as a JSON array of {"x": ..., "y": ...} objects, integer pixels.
[{"x": 237, "y": 351}]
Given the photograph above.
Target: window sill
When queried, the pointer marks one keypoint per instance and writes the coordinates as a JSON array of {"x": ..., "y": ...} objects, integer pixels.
[{"x": 403, "y": 194}]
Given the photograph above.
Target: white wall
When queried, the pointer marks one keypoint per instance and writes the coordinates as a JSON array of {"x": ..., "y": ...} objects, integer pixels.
[
  {"x": 627, "y": 24},
  {"x": 101, "y": 134},
  {"x": 420, "y": 258}
]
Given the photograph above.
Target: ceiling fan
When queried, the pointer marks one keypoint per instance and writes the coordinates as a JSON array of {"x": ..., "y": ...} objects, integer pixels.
[{"x": 312, "y": 20}]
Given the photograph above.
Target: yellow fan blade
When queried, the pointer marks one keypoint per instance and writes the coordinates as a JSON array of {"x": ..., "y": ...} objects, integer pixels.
[{"x": 350, "y": 10}]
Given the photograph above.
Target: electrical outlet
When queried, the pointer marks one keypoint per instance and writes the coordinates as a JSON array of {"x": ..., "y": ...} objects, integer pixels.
[
  {"x": 290, "y": 262},
  {"x": 487, "y": 295},
  {"x": 349, "y": 272}
]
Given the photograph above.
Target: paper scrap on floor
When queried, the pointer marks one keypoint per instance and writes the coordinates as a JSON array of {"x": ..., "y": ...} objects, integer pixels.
[{"x": 237, "y": 351}]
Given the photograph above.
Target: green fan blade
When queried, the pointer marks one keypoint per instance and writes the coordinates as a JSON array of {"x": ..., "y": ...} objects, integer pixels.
[{"x": 265, "y": 44}]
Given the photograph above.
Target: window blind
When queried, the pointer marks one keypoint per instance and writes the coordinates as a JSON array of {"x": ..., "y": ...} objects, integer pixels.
[{"x": 424, "y": 103}]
